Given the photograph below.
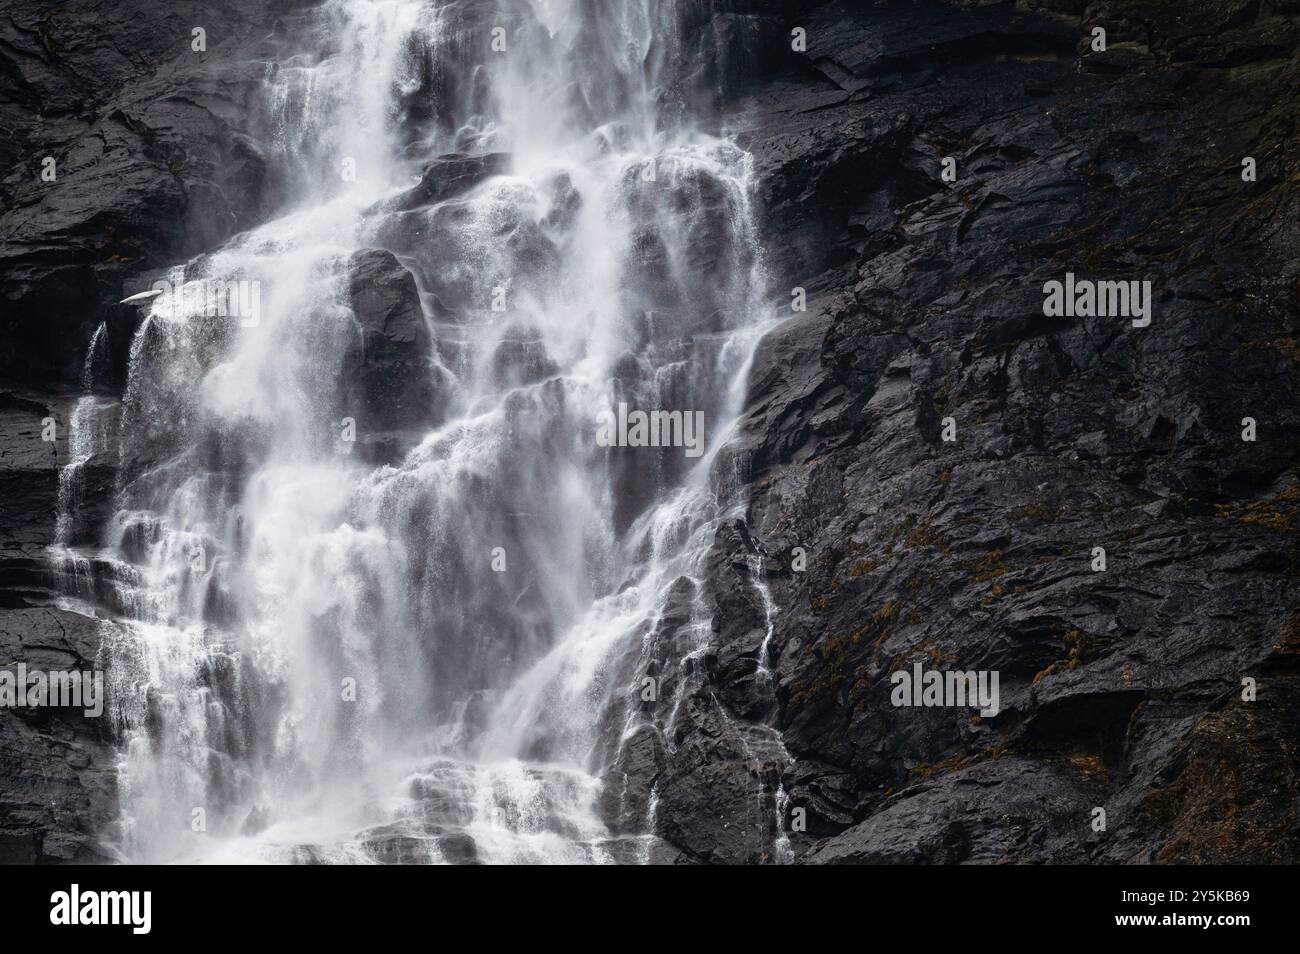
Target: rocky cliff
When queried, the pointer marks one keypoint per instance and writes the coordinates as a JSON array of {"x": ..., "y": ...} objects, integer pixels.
[
  {"x": 1120, "y": 688},
  {"x": 880, "y": 543}
]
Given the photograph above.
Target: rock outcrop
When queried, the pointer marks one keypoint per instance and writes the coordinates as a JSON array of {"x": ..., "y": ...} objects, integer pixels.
[
  {"x": 58, "y": 769},
  {"x": 1121, "y": 688},
  {"x": 388, "y": 359}
]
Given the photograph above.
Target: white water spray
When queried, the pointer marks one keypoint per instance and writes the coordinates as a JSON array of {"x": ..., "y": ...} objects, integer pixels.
[{"x": 398, "y": 643}]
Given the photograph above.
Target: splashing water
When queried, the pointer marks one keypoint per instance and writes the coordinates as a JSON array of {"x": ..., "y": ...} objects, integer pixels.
[{"x": 381, "y": 615}]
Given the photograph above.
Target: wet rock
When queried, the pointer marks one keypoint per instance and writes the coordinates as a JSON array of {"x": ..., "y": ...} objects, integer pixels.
[
  {"x": 737, "y": 652},
  {"x": 458, "y": 848},
  {"x": 151, "y": 161},
  {"x": 389, "y": 366},
  {"x": 717, "y": 796},
  {"x": 29, "y": 474},
  {"x": 390, "y": 845},
  {"x": 1220, "y": 796},
  {"x": 446, "y": 177},
  {"x": 521, "y": 359},
  {"x": 58, "y": 773},
  {"x": 925, "y": 303},
  {"x": 1016, "y": 811},
  {"x": 626, "y": 786}
]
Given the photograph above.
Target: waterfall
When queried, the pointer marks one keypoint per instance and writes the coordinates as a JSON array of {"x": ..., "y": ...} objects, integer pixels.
[
  {"x": 383, "y": 592},
  {"x": 92, "y": 436}
]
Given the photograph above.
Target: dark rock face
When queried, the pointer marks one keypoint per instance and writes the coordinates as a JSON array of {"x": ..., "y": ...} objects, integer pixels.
[
  {"x": 28, "y": 481},
  {"x": 387, "y": 362},
  {"x": 1120, "y": 689},
  {"x": 445, "y": 177},
  {"x": 150, "y": 159},
  {"x": 878, "y": 543},
  {"x": 57, "y": 769}
]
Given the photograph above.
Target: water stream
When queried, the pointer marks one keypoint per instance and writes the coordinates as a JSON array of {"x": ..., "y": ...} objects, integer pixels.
[{"x": 348, "y": 634}]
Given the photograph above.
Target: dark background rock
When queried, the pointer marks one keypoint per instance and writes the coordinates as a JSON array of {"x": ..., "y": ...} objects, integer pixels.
[
  {"x": 1120, "y": 689},
  {"x": 151, "y": 154},
  {"x": 387, "y": 364},
  {"x": 58, "y": 769}
]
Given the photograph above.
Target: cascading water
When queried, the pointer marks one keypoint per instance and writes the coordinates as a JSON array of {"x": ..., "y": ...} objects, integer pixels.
[{"x": 358, "y": 632}]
